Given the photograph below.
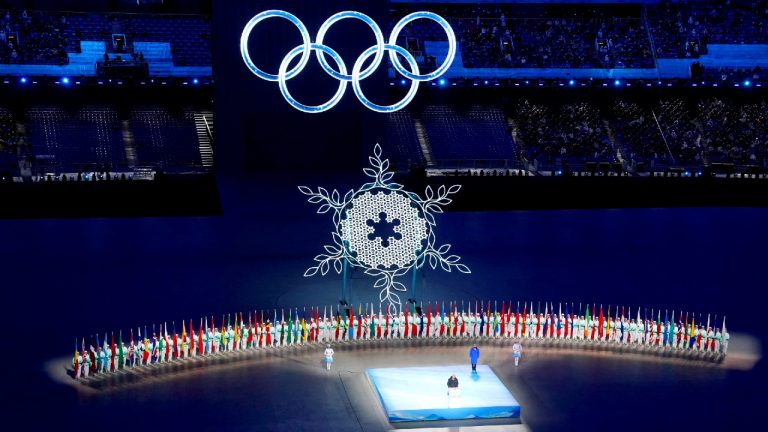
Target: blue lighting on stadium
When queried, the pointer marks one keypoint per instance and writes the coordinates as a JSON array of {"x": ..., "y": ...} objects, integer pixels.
[
  {"x": 23, "y": 80},
  {"x": 571, "y": 82},
  {"x": 617, "y": 83},
  {"x": 195, "y": 81},
  {"x": 403, "y": 81},
  {"x": 65, "y": 80},
  {"x": 442, "y": 81},
  {"x": 559, "y": 173},
  {"x": 747, "y": 83},
  {"x": 485, "y": 82}
]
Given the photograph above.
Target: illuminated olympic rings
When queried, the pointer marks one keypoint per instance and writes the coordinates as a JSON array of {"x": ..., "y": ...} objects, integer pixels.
[{"x": 358, "y": 73}]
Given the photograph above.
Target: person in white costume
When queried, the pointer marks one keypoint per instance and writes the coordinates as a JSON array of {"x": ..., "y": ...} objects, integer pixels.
[
  {"x": 517, "y": 351},
  {"x": 328, "y": 356}
]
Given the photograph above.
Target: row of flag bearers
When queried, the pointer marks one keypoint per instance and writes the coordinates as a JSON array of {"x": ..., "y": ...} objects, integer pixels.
[{"x": 590, "y": 323}]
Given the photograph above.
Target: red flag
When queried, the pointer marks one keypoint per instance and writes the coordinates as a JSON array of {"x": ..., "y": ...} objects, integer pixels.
[
  {"x": 600, "y": 323},
  {"x": 429, "y": 317},
  {"x": 406, "y": 321},
  {"x": 552, "y": 321},
  {"x": 114, "y": 350},
  {"x": 175, "y": 354},
  {"x": 503, "y": 313},
  {"x": 386, "y": 325},
  {"x": 359, "y": 322},
  {"x": 192, "y": 346},
  {"x": 249, "y": 341}
]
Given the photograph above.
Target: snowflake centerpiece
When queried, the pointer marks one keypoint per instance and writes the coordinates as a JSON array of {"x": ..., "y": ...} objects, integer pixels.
[{"x": 383, "y": 229}]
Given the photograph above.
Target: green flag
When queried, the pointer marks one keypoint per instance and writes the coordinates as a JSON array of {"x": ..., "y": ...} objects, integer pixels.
[
  {"x": 290, "y": 328},
  {"x": 120, "y": 350},
  {"x": 586, "y": 328}
]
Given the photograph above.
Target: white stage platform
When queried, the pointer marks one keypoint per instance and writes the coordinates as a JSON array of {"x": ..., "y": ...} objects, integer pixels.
[{"x": 420, "y": 394}]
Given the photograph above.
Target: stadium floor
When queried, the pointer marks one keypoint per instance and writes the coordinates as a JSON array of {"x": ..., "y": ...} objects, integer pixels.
[{"x": 289, "y": 388}]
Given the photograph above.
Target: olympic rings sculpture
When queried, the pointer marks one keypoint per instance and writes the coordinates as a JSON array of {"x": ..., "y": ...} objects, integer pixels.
[{"x": 358, "y": 73}]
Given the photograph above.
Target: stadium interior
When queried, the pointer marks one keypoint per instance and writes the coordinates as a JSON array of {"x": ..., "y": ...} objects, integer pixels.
[{"x": 608, "y": 151}]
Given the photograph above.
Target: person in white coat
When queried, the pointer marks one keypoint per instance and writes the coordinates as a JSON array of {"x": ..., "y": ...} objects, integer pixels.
[
  {"x": 517, "y": 351},
  {"x": 328, "y": 356}
]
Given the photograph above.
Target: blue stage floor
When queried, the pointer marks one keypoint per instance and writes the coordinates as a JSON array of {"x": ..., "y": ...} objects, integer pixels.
[{"x": 420, "y": 394}]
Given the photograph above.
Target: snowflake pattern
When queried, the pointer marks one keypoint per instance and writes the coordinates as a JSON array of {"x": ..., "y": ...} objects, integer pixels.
[{"x": 383, "y": 229}]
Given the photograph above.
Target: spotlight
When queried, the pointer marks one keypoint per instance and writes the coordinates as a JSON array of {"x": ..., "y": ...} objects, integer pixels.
[
  {"x": 442, "y": 81},
  {"x": 23, "y": 80},
  {"x": 485, "y": 82},
  {"x": 747, "y": 83},
  {"x": 559, "y": 172},
  {"x": 65, "y": 80},
  {"x": 571, "y": 82},
  {"x": 402, "y": 82},
  {"x": 195, "y": 81},
  {"x": 617, "y": 83}
]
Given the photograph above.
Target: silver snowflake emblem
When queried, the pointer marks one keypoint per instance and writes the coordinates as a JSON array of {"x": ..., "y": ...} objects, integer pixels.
[{"x": 383, "y": 229}]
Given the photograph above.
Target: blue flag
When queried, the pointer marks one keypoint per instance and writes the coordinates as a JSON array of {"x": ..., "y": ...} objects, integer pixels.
[{"x": 482, "y": 322}]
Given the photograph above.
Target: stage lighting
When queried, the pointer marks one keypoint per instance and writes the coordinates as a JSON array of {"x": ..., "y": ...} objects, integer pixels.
[
  {"x": 23, "y": 80},
  {"x": 747, "y": 83},
  {"x": 195, "y": 81},
  {"x": 571, "y": 82},
  {"x": 559, "y": 173},
  {"x": 402, "y": 82},
  {"x": 617, "y": 83},
  {"x": 485, "y": 82},
  {"x": 442, "y": 81}
]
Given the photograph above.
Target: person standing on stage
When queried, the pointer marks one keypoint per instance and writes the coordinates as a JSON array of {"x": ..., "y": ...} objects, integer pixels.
[
  {"x": 453, "y": 383},
  {"x": 517, "y": 351},
  {"x": 328, "y": 356},
  {"x": 86, "y": 367},
  {"x": 474, "y": 355}
]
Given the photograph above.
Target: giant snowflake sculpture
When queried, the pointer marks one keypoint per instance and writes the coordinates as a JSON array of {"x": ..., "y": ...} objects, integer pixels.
[{"x": 383, "y": 229}]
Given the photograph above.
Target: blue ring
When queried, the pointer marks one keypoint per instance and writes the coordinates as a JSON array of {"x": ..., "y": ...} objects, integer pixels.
[
  {"x": 247, "y": 33},
  {"x": 284, "y": 87},
  {"x": 357, "y": 74},
  {"x": 451, "y": 45},
  {"x": 376, "y": 32},
  {"x": 394, "y": 50}
]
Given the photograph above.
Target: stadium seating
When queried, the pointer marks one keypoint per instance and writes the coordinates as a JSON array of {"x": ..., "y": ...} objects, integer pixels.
[
  {"x": 87, "y": 140},
  {"x": 479, "y": 133},
  {"x": 46, "y": 37},
  {"x": 165, "y": 139}
]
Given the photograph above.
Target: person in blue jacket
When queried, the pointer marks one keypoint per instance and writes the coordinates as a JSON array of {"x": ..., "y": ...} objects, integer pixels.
[{"x": 474, "y": 355}]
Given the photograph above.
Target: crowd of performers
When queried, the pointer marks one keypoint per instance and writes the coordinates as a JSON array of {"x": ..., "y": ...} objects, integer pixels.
[{"x": 590, "y": 323}]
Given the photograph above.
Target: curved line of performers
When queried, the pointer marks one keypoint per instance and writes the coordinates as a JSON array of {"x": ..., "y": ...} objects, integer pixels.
[{"x": 589, "y": 324}]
